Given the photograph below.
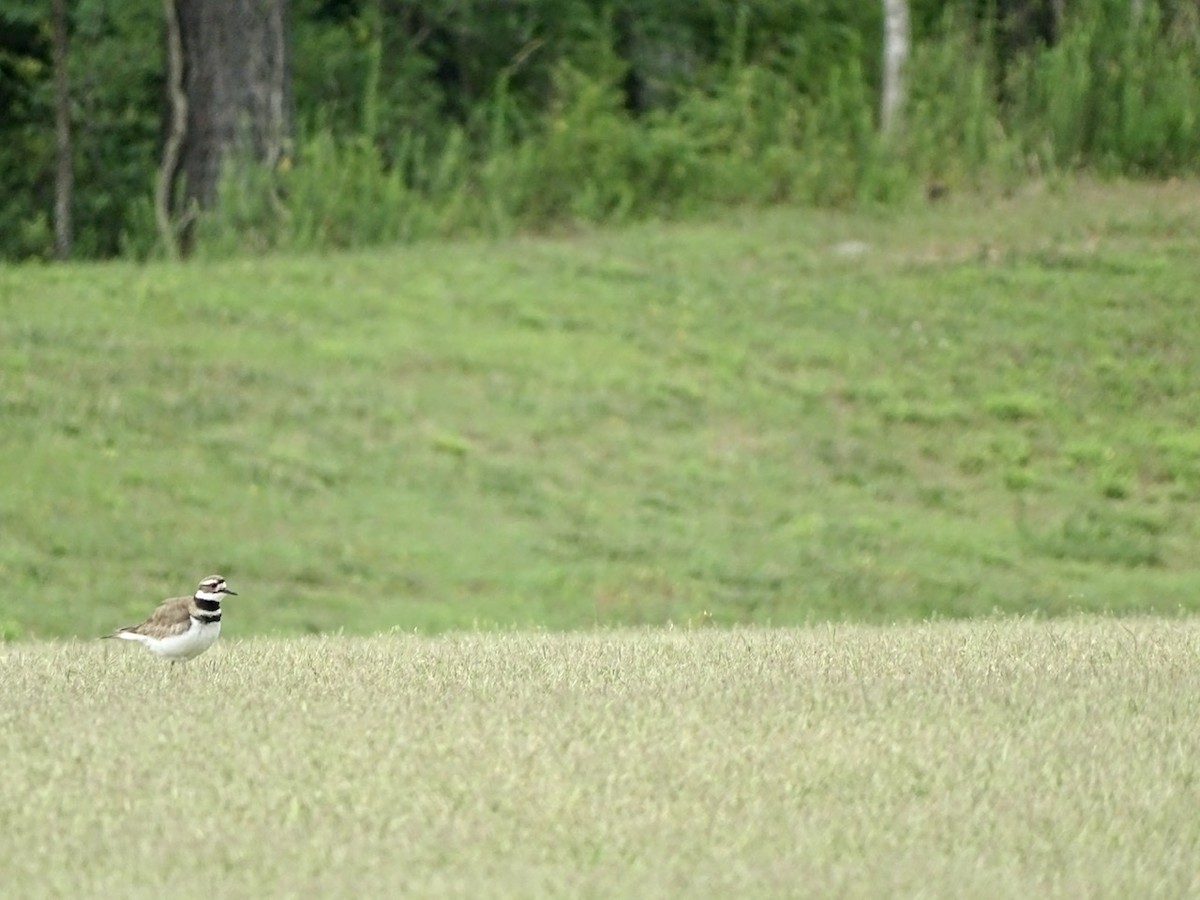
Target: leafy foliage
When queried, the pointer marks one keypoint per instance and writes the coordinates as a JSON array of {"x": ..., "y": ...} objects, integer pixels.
[{"x": 422, "y": 118}]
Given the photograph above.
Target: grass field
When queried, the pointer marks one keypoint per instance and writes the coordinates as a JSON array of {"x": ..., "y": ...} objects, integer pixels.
[
  {"x": 1003, "y": 758},
  {"x": 786, "y": 417}
]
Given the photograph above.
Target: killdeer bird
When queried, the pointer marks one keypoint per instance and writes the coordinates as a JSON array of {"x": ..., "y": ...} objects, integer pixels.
[{"x": 183, "y": 627}]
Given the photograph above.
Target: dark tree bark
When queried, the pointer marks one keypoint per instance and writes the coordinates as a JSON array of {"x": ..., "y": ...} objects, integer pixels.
[
  {"x": 237, "y": 82},
  {"x": 64, "y": 173}
]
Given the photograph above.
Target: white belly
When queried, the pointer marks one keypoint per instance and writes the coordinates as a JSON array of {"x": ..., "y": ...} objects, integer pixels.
[{"x": 185, "y": 645}]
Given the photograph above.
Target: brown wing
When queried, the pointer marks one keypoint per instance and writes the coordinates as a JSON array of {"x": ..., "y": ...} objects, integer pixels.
[{"x": 171, "y": 617}]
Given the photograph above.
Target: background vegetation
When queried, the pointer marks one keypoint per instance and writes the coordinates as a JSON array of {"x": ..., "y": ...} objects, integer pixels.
[
  {"x": 997, "y": 759},
  {"x": 422, "y": 118},
  {"x": 974, "y": 406}
]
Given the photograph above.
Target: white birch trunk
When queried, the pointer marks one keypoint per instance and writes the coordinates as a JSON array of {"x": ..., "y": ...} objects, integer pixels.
[{"x": 895, "y": 57}]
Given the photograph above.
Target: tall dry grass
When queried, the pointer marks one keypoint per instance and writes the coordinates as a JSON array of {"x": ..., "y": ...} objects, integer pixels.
[{"x": 998, "y": 758}]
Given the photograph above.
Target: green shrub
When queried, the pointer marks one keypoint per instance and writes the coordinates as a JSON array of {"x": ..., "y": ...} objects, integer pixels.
[{"x": 614, "y": 119}]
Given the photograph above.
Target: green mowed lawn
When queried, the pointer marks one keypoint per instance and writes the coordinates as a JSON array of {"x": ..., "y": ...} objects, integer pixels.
[
  {"x": 997, "y": 758},
  {"x": 982, "y": 405}
]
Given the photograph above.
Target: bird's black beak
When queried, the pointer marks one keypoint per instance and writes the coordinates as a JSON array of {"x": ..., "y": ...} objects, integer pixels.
[{"x": 228, "y": 591}]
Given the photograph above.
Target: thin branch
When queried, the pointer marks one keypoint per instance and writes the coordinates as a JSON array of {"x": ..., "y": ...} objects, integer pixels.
[
  {"x": 177, "y": 98},
  {"x": 64, "y": 177}
]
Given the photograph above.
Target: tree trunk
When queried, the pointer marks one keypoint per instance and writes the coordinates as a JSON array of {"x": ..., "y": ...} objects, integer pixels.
[
  {"x": 895, "y": 56},
  {"x": 64, "y": 174},
  {"x": 237, "y": 84}
]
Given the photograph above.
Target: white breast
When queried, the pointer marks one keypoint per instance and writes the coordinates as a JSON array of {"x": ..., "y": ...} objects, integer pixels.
[{"x": 185, "y": 645}]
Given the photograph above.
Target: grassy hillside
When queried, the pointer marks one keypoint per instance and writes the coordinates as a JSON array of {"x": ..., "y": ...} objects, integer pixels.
[
  {"x": 983, "y": 759},
  {"x": 973, "y": 406}
]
